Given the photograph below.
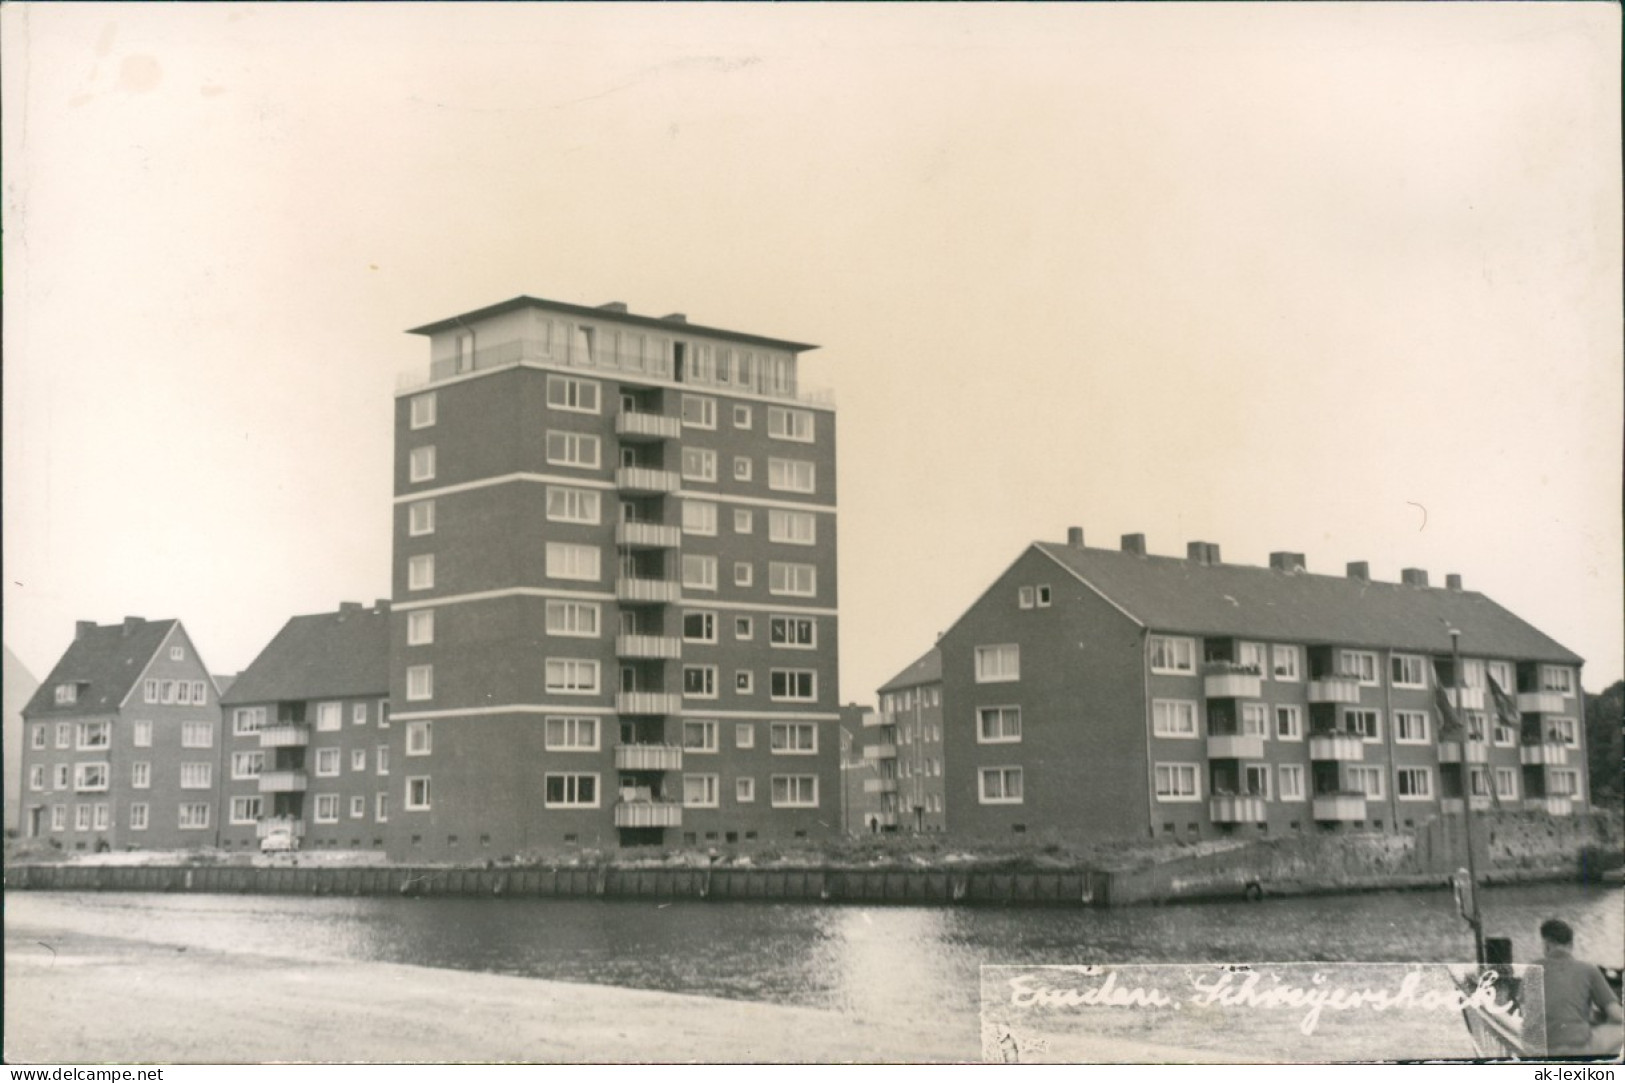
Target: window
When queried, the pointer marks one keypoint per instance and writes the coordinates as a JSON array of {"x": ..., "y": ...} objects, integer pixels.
[
  {"x": 1252, "y": 655},
  {"x": 1506, "y": 735},
  {"x": 1557, "y": 679},
  {"x": 1367, "y": 724},
  {"x": 64, "y": 735},
  {"x": 1366, "y": 780},
  {"x": 792, "y": 631},
  {"x": 570, "y": 791},
  {"x": 327, "y": 762},
  {"x": 792, "y": 527},
  {"x": 794, "y": 738},
  {"x": 419, "y": 682},
  {"x": 1410, "y": 727},
  {"x": 699, "y": 572},
  {"x": 1358, "y": 665},
  {"x": 327, "y": 808},
  {"x": 1408, "y": 671},
  {"x": 787, "y": 424},
  {"x": 81, "y": 817},
  {"x": 1472, "y": 673},
  {"x": 1289, "y": 723},
  {"x": 67, "y": 693},
  {"x": 1177, "y": 782},
  {"x": 744, "y": 682},
  {"x": 744, "y": 627},
  {"x": 572, "y": 734},
  {"x": 1000, "y": 785},
  {"x": 699, "y": 517},
  {"x": 1477, "y": 725},
  {"x": 245, "y": 810},
  {"x": 699, "y": 412},
  {"x": 36, "y": 777},
  {"x": 1286, "y": 661},
  {"x": 1024, "y": 597},
  {"x": 1043, "y": 596},
  {"x": 567, "y": 505},
  {"x": 1172, "y": 655},
  {"x": 744, "y": 790},
  {"x": 422, "y": 463},
  {"x": 741, "y": 417},
  {"x": 417, "y": 793},
  {"x": 572, "y": 449},
  {"x": 423, "y": 410},
  {"x": 796, "y": 580},
  {"x": 419, "y": 633},
  {"x": 60, "y": 777},
  {"x": 794, "y": 791},
  {"x": 566, "y": 561},
  {"x": 380, "y": 759},
  {"x": 36, "y": 736},
  {"x": 700, "y": 682},
  {"x": 247, "y": 764},
  {"x": 572, "y": 676},
  {"x": 420, "y": 572},
  {"x": 744, "y": 522},
  {"x": 245, "y": 721},
  {"x": 329, "y": 717},
  {"x": 699, "y": 626},
  {"x": 1561, "y": 730},
  {"x": 150, "y": 690},
  {"x": 569, "y": 393},
  {"x": 93, "y": 776},
  {"x": 1173, "y": 718},
  {"x": 95, "y": 735},
  {"x": 380, "y": 808},
  {"x": 194, "y": 816},
  {"x": 700, "y": 791},
  {"x": 200, "y": 692},
  {"x": 59, "y": 817},
  {"x": 699, "y": 464},
  {"x": 1289, "y": 779},
  {"x": 1565, "y": 782},
  {"x": 791, "y": 475},
  {"x": 383, "y": 714},
  {"x": 197, "y": 735},
  {"x": 744, "y": 735},
  {"x": 420, "y": 518},
  {"x": 1506, "y": 782},
  {"x": 358, "y": 807},
  {"x": 1255, "y": 720},
  {"x": 744, "y": 573},
  {"x": 1256, "y": 780},
  {"x": 793, "y": 684},
  {"x": 998, "y": 725},
  {"x": 1413, "y": 783},
  {"x": 578, "y": 619},
  {"x": 998, "y": 663},
  {"x": 1505, "y": 677},
  {"x": 358, "y": 759}
]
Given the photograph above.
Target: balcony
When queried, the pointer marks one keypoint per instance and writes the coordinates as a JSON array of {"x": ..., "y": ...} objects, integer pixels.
[
  {"x": 880, "y": 752},
  {"x": 648, "y": 814},
  {"x": 1229, "y": 682},
  {"x": 872, "y": 719},
  {"x": 1550, "y": 754},
  {"x": 1235, "y": 746},
  {"x": 648, "y": 536},
  {"x": 658, "y": 591},
  {"x": 285, "y": 735},
  {"x": 1339, "y": 807},
  {"x": 882, "y": 819},
  {"x": 270, "y": 825},
  {"x": 1465, "y": 699},
  {"x": 635, "y": 425},
  {"x": 1334, "y": 690},
  {"x": 648, "y": 758},
  {"x": 653, "y": 703},
  {"x": 648, "y": 647},
  {"x": 880, "y": 785},
  {"x": 643, "y": 479},
  {"x": 1551, "y": 806},
  {"x": 1229, "y": 808},
  {"x": 1455, "y": 806},
  {"x": 1452, "y": 752},
  {"x": 1336, "y": 746},
  {"x": 1540, "y": 702},
  {"x": 282, "y": 782}
]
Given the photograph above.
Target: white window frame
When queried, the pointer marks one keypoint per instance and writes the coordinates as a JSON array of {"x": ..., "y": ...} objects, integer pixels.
[
  {"x": 197, "y": 734},
  {"x": 1358, "y": 778},
  {"x": 95, "y": 736},
  {"x": 327, "y": 763},
  {"x": 1425, "y": 774},
  {"x": 380, "y": 808},
  {"x": 744, "y": 521},
  {"x": 790, "y": 798},
  {"x": 1024, "y": 597},
  {"x": 1171, "y": 654},
  {"x": 358, "y": 759},
  {"x": 793, "y": 527},
  {"x": 570, "y": 504},
  {"x": 744, "y": 735},
  {"x": 576, "y": 620},
  {"x": 570, "y": 782},
  {"x": 573, "y": 676},
  {"x": 1293, "y": 711},
  {"x": 194, "y": 816},
  {"x": 797, "y": 426},
  {"x": 742, "y": 417},
  {"x": 420, "y": 738},
  {"x": 1509, "y": 775},
  {"x": 1295, "y": 791},
  {"x": 742, "y": 468},
  {"x": 708, "y": 798},
  {"x": 699, "y": 464},
  {"x": 1566, "y": 728},
  {"x": 571, "y": 394},
  {"x": 700, "y": 518},
  {"x": 1286, "y": 662},
  {"x": 1559, "y": 679},
  {"x": 574, "y": 733},
  {"x": 706, "y": 683},
  {"x": 998, "y": 663},
  {"x": 244, "y": 765},
  {"x": 329, "y": 717},
  {"x": 581, "y": 450},
  {"x": 424, "y": 411},
  {"x": 744, "y": 791},
  {"x": 419, "y": 794},
  {"x": 1371, "y": 738},
  {"x": 1255, "y": 720},
  {"x": 380, "y": 760},
  {"x": 1175, "y": 772},
  {"x": 707, "y": 619},
  {"x": 421, "y": 463},
  {"x": 1166, "y": 719},
  {"x": 792, "y": 580},
  {"x": 92, "y": 777},
  {"x": 744, "y": 573},
  {"x": 419, "y": 629},
  {"x": 246, "y": 809},
  {"x": 792, "y": 475},
  {"x": 704, "y": 411},
  {"x": 420, "y": 518},
  {"x": 1565, "y": 782},
  {"x": 245, "y": 721},
  {"x": 699, "y": 571},
  {"x": 420, "y": 682},
  {"x": 1003, "y": 731},
  {"x": 701, "y": 735},
  {"x": 325, "y": 808},
  {"x": 420, "y": 572},
  {"x": 575, "y": 562},
  {"x": 791, "y": 734},
  {"x": 787, "y": 631},
  {"x": 1414, "y": 667},
  {"x": 1003, "y": 774},
  {"x": 1403, "y": 719},
  {"x": 1361, "y": 666},
  {"x": 792, "y": 679}
]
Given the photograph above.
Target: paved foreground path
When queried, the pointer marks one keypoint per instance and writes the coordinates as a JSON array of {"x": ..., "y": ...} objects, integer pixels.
[{"x": 75, "y": 997}]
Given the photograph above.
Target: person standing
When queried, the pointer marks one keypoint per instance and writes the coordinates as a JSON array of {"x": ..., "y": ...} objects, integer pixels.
[{"x": 1573, "y": 990}]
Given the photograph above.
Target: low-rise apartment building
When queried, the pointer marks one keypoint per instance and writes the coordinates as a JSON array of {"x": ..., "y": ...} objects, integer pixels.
[{"x": 906, "y": 744}]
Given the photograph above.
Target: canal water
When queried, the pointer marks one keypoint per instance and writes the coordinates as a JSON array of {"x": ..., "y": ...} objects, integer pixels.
[{"x": 900, "y": 962}]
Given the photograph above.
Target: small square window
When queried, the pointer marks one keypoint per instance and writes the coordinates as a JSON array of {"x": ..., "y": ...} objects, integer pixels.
[
  {"x": 744, "y": 627},
  {"x": 742, "y": 417},
  {"x": 744, "y": 522},
  {"x": 744, "y": 573},
  {"x": 741, "y": 468},
  {"x": 744, "y": 682}
]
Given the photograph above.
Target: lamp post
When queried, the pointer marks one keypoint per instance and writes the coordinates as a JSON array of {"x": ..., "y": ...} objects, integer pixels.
[{"x": 1470, "y": 901}]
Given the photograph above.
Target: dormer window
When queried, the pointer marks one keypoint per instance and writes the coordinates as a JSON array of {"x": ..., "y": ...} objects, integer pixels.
[{"x": 67, "y": 693}]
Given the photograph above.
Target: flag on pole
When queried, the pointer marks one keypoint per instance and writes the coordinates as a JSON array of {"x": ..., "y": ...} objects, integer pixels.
[
  {"x": 1505, "y": 709},
  {"x": 1449, "y": 725}
]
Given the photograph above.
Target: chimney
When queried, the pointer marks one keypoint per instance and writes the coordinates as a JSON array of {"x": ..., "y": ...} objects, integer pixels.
[
  {"x": 1287, "y": 562},
  {"x": 349, "y": 607},
  {"x": 381, "y": 605},
  {"x": 1134, "y": 543},
  {"x": 1074, "y": 536},
  {"x": 130, "y": 623},
  {"x": 613, "y": 306},
  {"x": 1359, "y": 569},
  {"x": 675, "y": 317},
  {"x": 82, "y": 628},
  {"x": 1201, "y": 552},
  {"x": 1415, "y": 577},
  {"x": 1452, "y": 581}
]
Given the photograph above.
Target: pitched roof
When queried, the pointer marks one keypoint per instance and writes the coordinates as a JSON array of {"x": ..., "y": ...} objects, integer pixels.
[
  {"x": 927, "y": 669},
  {"x": 320, "y": 656},
  {"x": 1176, "y": 595},
  {"x": 105, "y": 661}
]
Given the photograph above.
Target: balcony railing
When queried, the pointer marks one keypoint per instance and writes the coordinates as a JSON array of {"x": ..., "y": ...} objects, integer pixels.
[
  {"x": 1476, "y": 752},
  {"x": 1540, "y": 702},
  {"x": 1334, "y": 690},
  {"x": 1225, "y": 681},
  {"x": 648, "y": 536},
  {"x": 1336, "y": 746},
  {"x": 1230, "y": 808},
  {"x": 880, "y": 752},
  {"x": 1465, "y": 699},
  {"x": 282, "y": 782},
  {"x": 648, "y": 647},
  {"x": 873, "y": 719},
  {"x": 880, "y": 785},
  {"x": 645, "y": 479},
  {"x": 285, "y": 735},
  {"x": 1339, "y": 807},
  {"x": 648, "y": 590},
  {"x": 1551, "y": 806},
  {"x": 648, "y": 814},
  {"x": 648, "y": 758},
  {"x": 1551, "y": 754},
  {"x": 651, "y": 703},
  {"x": 279, "y": 824},
  {"x": 631, "y": 424},
  {"x": 1235, "y": 746}
]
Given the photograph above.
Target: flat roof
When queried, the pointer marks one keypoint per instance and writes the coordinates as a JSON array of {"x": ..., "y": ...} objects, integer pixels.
[{"x": 611, "y": 314}]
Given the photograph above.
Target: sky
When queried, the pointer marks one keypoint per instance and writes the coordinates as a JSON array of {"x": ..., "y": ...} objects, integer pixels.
[{"x": 1335, "y": 279}]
